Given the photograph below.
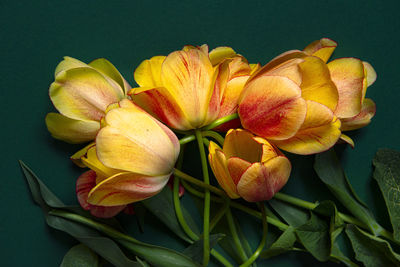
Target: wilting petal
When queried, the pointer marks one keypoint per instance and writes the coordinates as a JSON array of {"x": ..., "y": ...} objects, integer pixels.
[
  {"x": 319, "y": 132},
  {"x": 159, "y": 103},
  {"x": 317, "y": 84},
  {"x": 148, "y": 73},
  {"x": 348, "y": 76},
  {"x": 321, "y": 48},
  {"x": 240, "y": 143},
  {"x": 188, "y": 76},
  {"x": 362, "y": 119},
  {"x": 84, "y": 184},
  {"x": 261, "y": 181},
  {"x": 71, "y": 130},
  {"x": 83, "y": 94},
  {"x": 272, "y": 107},
  {"x": 125, "y": 188},
  {"x": 346, "y": 139},
  {"x": 76, "y": 157},
  {"x": 370, "y": 73},
  {"x": 134, "y": 141},
  {"x": 218, "y": 165},
  {"x": 110, "y": 71},
  {"x": 218, "y": 54}
]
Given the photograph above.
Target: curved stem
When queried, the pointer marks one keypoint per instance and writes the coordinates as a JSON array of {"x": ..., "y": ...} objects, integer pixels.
[
  {"x": 214, "y": 135},
  {"x": 263, "y": 239},
  {"x": 220, "y": 121},
  {"x": 207, "y": 199},
  {"x": 197, "y": 182},
  {"x": 235, "y": 236},
  {"x": 186, "y": 139}
]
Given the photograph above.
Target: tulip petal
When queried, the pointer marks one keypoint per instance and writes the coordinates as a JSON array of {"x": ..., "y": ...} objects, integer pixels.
[
  {"x": 272, "y": 107},
  {"x": 362, "y": 119},
  {"x": 84, "y": 184},
  {"x": 71, "y": 130},
  {"x": 319, "y": 132},
  {"x": 76, "y": 157},
  {"x": 134, "y": 141},
  {"x": 125, "y": 188},
  {"x": 236, "y": 167},
  {"x": 148, "y": 73},
  {"x": 317, "y": 84},
  {"x": 218, "y": 54},
  {"x": 83, "y": 94},
  {"x": 321, "y": 48},
  {"x": 92, "y": 161},
  {"x": 289, "y": 69},
  {"x": 261, "y": 181},
  {"x": 188, "y": 76},
  {"x": 348, "y": 76},
  {"x": 107, "y": 68},
  {"x": 370, "y": 73},
  {"x": 218, "y": 165},
  {"x": 241, "y": 144},
  {"x": 346, "y": 139},
  {"x": 68, "y": 63}
]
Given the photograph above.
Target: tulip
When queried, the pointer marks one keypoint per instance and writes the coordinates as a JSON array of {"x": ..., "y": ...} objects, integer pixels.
[
  {"x": 248, "y": 166},
  {"x": 190, "y": 88},
  {"x": 133, "y": 157},
  {"x": 291, "y": 102},
  {"x": 81, "y": 93}
]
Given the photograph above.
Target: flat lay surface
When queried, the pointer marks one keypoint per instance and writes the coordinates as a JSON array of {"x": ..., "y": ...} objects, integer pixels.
[{"x": 36, "y": 35}]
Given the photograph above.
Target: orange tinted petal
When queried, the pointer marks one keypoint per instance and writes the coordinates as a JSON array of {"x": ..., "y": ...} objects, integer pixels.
[
  {"x": 240, "y": 143},
  {"x": 321, "y": 48},
  {"x": 236, "y": 167},
  {"x": 272, "y": 107},
  {"x": 362, "y": 119}
]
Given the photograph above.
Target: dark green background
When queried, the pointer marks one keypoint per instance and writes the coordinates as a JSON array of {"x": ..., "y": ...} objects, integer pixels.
[{"x": 35, "y": 35}]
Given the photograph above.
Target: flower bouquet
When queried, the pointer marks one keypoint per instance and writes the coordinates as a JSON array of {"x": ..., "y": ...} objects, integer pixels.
[{"x": 241, "y": 118}]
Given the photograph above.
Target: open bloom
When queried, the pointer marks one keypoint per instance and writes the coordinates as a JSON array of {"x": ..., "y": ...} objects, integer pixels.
[
  {"x": 248, "y": 166},
  {"x": 133, "y": 157},
  {"x": 191, "y": 88},
  {"x": 81, "y": 93}
]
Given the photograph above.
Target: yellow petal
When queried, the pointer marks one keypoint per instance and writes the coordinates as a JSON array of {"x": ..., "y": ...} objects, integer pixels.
[
  {"x": 236, "y": 167},
  {"x": 362, "y": 119},
  {"x": 319, "y": 132},
  {"x": 240, "y": 143},
  {"x": 125, "y": 188},
  {"x": 71, "y": 130},
  {"x": 218, "y": 165},
  {"x": 217, "y": 55},
  {"x": 317, "y": 84},
  {"x": 289, "y": 69},
  {"x": 188, "y": 76},
  {"x": 68, "y": 63},
  {"x": 321, "y": 48},
  {"x": 261, "y": 181},
  {"x": 348, "y": 76},
  {"x": 272, "y": 107},
  {"x": 83, "y": 93},
  {"x": 370, "y": 73},
  {"x": 92, "y": 161},
  {"x": 76, "y": 158},
  {"x": 134, "y": 141},
  {"x": 230, "y": 98},
  {"x": 148, "y": 73},
  {"x": 347, "y": 139}
]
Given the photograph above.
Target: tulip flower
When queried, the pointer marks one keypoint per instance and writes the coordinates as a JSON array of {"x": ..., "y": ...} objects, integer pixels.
[
  {"x": 190, "y": 88},
  {"x": 81, "y": 93},
  {"x": 248, "y": 166},
  {"x": 133, "y": 157}
]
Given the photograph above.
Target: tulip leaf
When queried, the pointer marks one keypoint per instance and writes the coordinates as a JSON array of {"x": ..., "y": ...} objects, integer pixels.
[
  {"x": 331, "y": 173},
  {"x": 387, "y": 174},
  {"x": 195, "y": 250},
  {"x": 80, "y": 256},
  {"x": 371, "y": 250},
  {"x": 338, "y": 256},
  {"x": 103, "y": 246},
  {"x": 294, "y": 216},
  {"x": 162, "y": 206},
  {"x": 283, "y": 244}
]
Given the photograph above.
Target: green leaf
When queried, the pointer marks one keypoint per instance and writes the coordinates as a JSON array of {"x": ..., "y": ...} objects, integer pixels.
[
  {"x": 162, "y": 206},
  {"x": 331, "y": 173},
  {"x": 314, "y": 235},
  {"x": 338, "y": 256},
  {"x": 80, "y": 256},
  {"x": 387, "y": 174},
  {"x": 195, "y": 250},
  {"x": 294, "y": 216},
  {"x": 371, "y": 250},
  {"x": 283, "y": 244}
]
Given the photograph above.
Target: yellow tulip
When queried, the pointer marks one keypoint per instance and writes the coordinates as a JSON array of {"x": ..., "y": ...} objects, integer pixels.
[
  {"x": 133, "y": 157},
  {"x": 81, "y": 93},
  {"x": 248, "y": 166}
]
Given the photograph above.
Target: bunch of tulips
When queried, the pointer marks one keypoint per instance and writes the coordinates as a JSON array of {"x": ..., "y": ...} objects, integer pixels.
[{"x": 243, "y": 114}]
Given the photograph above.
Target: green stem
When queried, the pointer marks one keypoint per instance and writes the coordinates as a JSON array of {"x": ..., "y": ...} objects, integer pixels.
[
  {"x": 235, "y": 236},
  {"x": 207, "y": 199},
  {"x": 220, "y": 121},
  {"x": 263, "y": 239},
  {"x": 187, "y": 139},
  {"x": 199, "y": 183},
  {"x": 214, "y": 135}
]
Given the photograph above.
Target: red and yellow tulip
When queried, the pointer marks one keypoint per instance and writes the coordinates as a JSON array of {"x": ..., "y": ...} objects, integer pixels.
[
  {"x": 81, "y": 93},
  {"x": 248, "y": 166},
  {"x": 133, "y": 157}
]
